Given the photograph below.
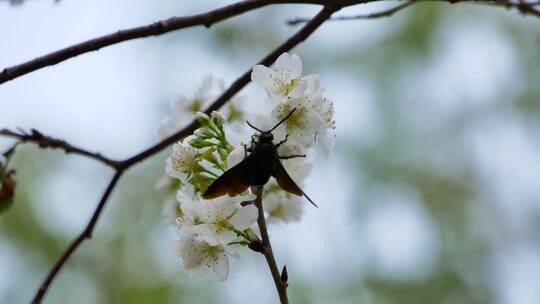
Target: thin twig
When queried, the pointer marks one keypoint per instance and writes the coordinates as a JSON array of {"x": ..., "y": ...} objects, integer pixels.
[
  {"x": 121, "y": 166},
  {"x": 236, "y": 86},
  {"x": 281, "y": 283},
  {"x": 206, "y": 19},
  {"x": 44, "y": 141},
  {"x": 154, "y": 29},
  {"x": 385, "y": 13},
  {"x": 526, "y": 8},
  {"x": 162, "y": 27},
  {"x": 86, "y": 234}
]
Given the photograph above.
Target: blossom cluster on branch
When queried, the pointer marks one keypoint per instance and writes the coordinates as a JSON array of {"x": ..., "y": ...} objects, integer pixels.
[{"x": 211, "y": 231}]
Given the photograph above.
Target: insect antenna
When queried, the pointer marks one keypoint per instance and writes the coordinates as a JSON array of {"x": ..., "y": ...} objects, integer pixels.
[
  {"x": 252, "y": 126},
  {"x": 283, "y": 120}
]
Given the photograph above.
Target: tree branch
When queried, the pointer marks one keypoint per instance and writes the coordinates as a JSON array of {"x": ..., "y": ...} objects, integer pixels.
[
  {"x": 385, "y": 13},
  {"x": 279, "y": 280},
  {"x": 158, "y": 28},
  {"x": 154, "y": 29},
  {"x": 44, "y": 142},
  {"x": 86, "y": 234},
  {"x": 237, "y": 85},
  {"x": 526, "y": 8},
  {"x": 205, "y": 19},
  {"x": 121, "y": 166}
]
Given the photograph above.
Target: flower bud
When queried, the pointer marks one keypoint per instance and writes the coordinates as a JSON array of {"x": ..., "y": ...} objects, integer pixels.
[
  {"x": 203, "y": 119},
  {"x": 200, "y": 143},
  {"x": 203, "y": 133},
  {"x": 217, "y": 118}
]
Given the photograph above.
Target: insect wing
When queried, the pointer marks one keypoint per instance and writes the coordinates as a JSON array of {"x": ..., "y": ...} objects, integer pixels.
[
  {"x": 232, "y": 182},
  {"x": 285, "y": 181}
]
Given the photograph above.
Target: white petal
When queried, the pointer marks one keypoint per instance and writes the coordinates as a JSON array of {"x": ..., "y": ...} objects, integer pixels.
[
  {"x": 244, "y": 198},
  {"x": 190, "y": 209},
  {"x": 282, "y": 63},
  {"x": 245, "y": 217},
  {"x": 232, "y": 250},
  {"x": 226, "y": 237},
  {"x": 261, "y": 76},
  {"x": 327, "y": 139},
  {"x": 173, "y": 173},
  {"x": 299, "y": 89},
  {"x": 314, "y": 121},
  {"x": 205, "y": 234},
  {"x": 304, "y": 138},
  {"x": 313, "y": 85},
  {"x": 198, "y": 272},
  {"x": 295, "y": 66},
  {"x": 236, "y": 156},
  {"x": 221, "y": 267}
]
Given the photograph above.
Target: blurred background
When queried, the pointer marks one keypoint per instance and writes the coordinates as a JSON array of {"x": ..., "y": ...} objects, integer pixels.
[{"x": 432, "y": 194}]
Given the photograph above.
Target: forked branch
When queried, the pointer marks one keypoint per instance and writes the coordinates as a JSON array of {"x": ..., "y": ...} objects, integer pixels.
[
  {"x": 121, "y": 166},
  {"x": 161, "y": 27},
  {"x": 44, "y": 141}
]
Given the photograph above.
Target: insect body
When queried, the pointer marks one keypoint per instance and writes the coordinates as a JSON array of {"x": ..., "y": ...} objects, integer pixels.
[{"x": 256, "y": 168}]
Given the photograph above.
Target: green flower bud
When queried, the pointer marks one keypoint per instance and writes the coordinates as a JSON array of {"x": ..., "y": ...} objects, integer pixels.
[{"x": 203, "y": 119}]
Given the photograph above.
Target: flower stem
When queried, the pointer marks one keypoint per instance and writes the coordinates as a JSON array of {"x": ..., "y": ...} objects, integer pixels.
[{"x": 281, "y": 285}]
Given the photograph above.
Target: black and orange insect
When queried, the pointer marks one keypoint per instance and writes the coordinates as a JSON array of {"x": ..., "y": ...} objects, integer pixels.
[{"x": 257, "y": 167}]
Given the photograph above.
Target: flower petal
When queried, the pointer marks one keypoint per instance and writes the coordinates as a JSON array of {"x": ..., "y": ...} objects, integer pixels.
[
  {"x": 298, "y": 89},
  {"x": 327, "y": 139},
  {"x": 236, "y": 156},
  {"x": 221, "y": 267},
  {"x": 244, "y": 217},
  {"x": 295, "y": 66},
  {"x": 261, "y": 75},
  {"x": 313, "y": 84},
  {"x": 282, "y": 63}
]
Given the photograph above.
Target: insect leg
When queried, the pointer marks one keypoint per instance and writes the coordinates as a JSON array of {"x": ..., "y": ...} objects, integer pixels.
[
  {"x": 245, "y": 150},
  {"x": 282, "y": 142},
  {"x": 291, "y": 156}
]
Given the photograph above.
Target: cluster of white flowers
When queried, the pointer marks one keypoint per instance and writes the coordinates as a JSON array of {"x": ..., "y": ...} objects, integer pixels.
[
  {"x": 185, "y": 107},
  {"x": 211, "y": 231},
  {"x": 285, "y": 85}
]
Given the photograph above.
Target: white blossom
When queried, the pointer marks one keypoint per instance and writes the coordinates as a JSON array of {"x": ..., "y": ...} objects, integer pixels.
[
  {"x": 172, "y": 211},
  {"x": 182, "y": 160},
  {"x": 189, "y": 209},
  {"x": 299, "y": 168},
  {"x": 207, "y": 231},
  {"x": 283, "y": 80},
  {"x": 212, "y": 231},
  {"x": 183, "y": 108},
  {"x": 326, "y": 134},
  {"x": 220, "y": 218},
  {"x": 199, "y": 257},
  {"x": 303, "y": 124},
  {"x": 283, "y": 207}
]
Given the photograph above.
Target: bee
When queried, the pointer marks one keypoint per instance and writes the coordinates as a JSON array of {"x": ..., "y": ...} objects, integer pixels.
[{"x": 257, "y": 167}]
